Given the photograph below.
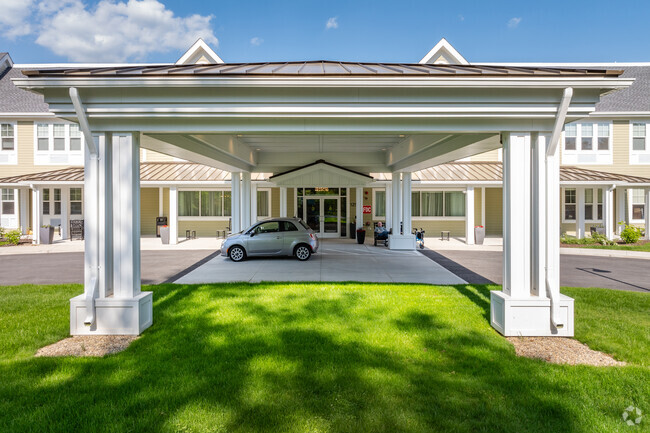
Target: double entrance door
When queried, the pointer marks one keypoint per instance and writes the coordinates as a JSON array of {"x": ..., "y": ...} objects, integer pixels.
[{"x": 323, "y": 215}]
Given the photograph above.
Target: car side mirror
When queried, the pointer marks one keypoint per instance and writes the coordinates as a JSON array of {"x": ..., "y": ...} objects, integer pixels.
[{"x": 251, "y": 234}]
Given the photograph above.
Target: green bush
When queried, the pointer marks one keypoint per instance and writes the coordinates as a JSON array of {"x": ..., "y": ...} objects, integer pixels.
[
  {"x": 597, "y": 238},
  {"x": 11, "y": 237},
  {"x": 630, "y": 234}
]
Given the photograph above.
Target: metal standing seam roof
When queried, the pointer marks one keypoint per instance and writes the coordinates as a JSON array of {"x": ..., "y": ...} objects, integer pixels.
[
  {"x": 451, "y": 172},
  {"x": 320, "y": 68}
]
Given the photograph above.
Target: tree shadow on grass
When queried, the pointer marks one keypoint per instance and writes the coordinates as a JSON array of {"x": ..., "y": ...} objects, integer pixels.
[{"x": 290, "y": 357}]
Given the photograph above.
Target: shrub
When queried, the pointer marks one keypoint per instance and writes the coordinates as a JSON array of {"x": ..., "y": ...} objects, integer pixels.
[
  {"x": 630, "y": 234},
  {"x": 12, "y": 237},
  {"x": 597, "y": 238}
]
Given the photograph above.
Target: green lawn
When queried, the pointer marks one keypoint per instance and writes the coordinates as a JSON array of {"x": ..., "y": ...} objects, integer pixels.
[
  {"x": 319, "y": 357},
  {"x": 631, "y": 247}
]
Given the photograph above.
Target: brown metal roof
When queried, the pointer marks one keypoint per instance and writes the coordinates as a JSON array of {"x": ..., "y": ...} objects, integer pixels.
[
  {"x": 319, "y": 68},
  {"x": 450, "y": 172}
]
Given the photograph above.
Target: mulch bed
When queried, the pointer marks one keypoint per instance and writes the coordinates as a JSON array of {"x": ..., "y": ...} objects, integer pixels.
[
  {"x": 87, "y": 345},
  {"x": 620, "y": 244},
  {"x": 558, "y": 350}
]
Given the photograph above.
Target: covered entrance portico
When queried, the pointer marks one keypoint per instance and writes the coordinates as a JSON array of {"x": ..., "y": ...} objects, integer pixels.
[{"x": 361, "y": 118}]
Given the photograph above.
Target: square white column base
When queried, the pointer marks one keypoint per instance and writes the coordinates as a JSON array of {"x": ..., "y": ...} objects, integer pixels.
[
  {"x": 401, "y": 242},
  {"x": 529, "y": 317},
  {"x": 113, "y": 316}
]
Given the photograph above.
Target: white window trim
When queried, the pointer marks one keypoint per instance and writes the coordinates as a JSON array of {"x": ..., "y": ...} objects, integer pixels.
[
  {"x": 15, "y": 193},
  {"x": 606, "y": 156},
  {"x": 69, "y": 192},
  {"x": 269, "y": 210},
  {"x": 564, "y": 203},
  {"x": 594, "y": 204},
  {"x": 439, "y": 218},
  {"x": 73, "y": 155},
  {"x": 374, "y": 206},
  {"x": 635, "y": 154},
  {"x": 12, "y": 155},
  {"x": 630, "y": 206},
  {"x": 200, "y": 217}
]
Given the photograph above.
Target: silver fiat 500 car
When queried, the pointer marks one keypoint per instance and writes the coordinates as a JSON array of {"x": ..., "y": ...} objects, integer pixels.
[{"x": 272, "y": 237}]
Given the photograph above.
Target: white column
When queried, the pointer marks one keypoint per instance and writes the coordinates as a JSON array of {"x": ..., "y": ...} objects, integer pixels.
[
  {"x": 126, "y": 215},
  {"x": 516, "y": 215},
  {"x": 65, "y": 212},
  {"x": 621, "y": 211},
  {"x": 235, "y": 204},
  {"x": 359, "y": 207},
  {"x": 553, "y": 224},
  {"x": 647, "y": 213},
  {"x": 580, "y": 212},
  {"x": 173, "y": 215},
  {"x": 396, "y": 190},
  {"x": 389, "y": 207},
  {"x": 245, "y": 200},
  {"x": 406, "y": 202},
  {"x": 469, "y": 215},
  {"x": 161, "y": 210},
  {"x": 24, "y": 210},
  {"x": 538, "y": 214},
  {"x": 608, "y": 211},
  {"x": 283, "y": 201},
  {"x": 37, "y": 215},
  {"x": 253, "y": 202}
]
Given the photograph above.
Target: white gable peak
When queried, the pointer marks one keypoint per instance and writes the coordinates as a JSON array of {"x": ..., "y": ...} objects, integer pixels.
[
  {"x": 199, "y": 54},
  {"x": 444, "y": 54}
]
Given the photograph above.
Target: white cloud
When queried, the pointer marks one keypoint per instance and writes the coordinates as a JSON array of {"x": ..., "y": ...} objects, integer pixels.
[
  {"x": 514, "y": 22},
  {"x": 256, "y": 42},
  {"x": 14, "y": 19},
  {"x": 461, "y": 18},
  {"x": 332, "y": 23}
]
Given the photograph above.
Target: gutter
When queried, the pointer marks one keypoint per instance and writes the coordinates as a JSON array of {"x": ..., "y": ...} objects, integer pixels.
[
  {"x": 91, "y": 291},
  {"x": 552, "y": 165}
]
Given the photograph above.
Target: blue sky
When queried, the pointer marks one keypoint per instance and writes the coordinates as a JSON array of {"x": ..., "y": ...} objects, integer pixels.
[{"x": 388, "y": 31}]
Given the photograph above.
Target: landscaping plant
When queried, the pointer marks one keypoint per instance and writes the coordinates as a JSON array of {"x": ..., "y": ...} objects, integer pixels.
[
  {"x": 11, "y": 237},
  {"x": 630, "y": 233}
]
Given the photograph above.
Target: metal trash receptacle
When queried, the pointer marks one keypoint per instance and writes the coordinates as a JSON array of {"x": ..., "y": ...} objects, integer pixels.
[{"x": 160, "y": 221}]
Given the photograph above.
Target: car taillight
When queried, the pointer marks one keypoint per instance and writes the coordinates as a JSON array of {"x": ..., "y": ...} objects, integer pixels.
[{"x": 313, "y": 236}]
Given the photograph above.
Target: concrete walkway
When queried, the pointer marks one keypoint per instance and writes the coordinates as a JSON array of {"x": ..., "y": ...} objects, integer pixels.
[{"x": 336, "y": 260}]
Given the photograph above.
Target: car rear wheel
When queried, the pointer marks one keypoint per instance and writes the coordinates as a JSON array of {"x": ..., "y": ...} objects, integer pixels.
[
  {"x": 237, "y": 253},
  {"x": 302, "y": 252}
]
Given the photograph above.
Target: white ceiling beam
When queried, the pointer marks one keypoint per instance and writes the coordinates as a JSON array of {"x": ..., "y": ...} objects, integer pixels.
[
  {"x": 412, "y": 145},
  {"x": 230, "y": 145}
]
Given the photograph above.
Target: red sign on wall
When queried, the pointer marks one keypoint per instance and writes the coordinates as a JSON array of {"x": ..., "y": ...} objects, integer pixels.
[{"x": 367, "y": 209}]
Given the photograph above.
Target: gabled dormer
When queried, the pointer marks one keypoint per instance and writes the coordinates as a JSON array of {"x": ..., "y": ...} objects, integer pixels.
[
  {"x": 5, "y": 63},
  {"x": 199, "y": 54},
  {"x": 444, "y": 54}
]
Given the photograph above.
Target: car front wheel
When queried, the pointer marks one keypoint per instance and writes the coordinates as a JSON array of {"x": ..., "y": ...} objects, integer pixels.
[
  {"x": 302, "y": 253},
  {"x": 237, "y": 253}
]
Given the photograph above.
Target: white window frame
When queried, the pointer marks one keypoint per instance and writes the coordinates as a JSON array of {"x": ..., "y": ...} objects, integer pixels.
[
  {"x": 631, "y": 204},
  {"x": 13, "y": 200},
  {"x": 564, "y": 203},
  {"x": 374, "y": 204},
  {"x": 10, "y": 157},
  {"x": 640, "y": 157},
  {"x": 204, "y": 218},
  {"x": 600, "y": 157},
  {"x": 444, "y": 205},
  {"x": 269, "y": 207},
  {"x": 57, "y": 157},
  {"x": 70, "y": 201},
  {"x": 595, "y": 204}
]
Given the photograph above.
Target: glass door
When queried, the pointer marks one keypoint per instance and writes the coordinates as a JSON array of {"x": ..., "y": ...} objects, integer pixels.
[
  {"x": 313, "y": 213},
  {"x": 322, "y": 215},
  {"x": 330, "y": 216}
]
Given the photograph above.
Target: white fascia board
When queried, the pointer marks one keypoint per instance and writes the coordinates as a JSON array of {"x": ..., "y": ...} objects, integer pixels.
[
  {"x": 570, "y": 65},
  {"x": 29, "y": 116},
  {"x": 84, "y": 65},
  {"x": 435, "y": 183},
  {"x": 181, "y": 183},
  {"x": 344, "y": 82},
  {"x": 617, "y": 114},
  {"x": 604, "y": 183},
  {"x": 440, "y": 47},
  {"x": 197, "y": 47}
]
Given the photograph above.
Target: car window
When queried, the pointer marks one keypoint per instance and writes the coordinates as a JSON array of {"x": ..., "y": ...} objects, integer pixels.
[
  {"x": 288, "y": 226},
  {"x": 302, "y": 223},
  {"x": 269, "y": 227}
]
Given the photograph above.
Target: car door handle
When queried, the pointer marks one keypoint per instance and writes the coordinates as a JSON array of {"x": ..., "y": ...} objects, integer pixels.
[{"x": 278, "y": 237}]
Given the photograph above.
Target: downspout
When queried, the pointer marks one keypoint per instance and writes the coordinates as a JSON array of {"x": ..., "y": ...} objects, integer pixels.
[
  {"x": 552, "y": 186},
  {"x": 91, "y": 292}
]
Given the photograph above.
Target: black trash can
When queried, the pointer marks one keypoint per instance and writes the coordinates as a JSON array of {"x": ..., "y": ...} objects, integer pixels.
[
  {"x": 160, "y": 221},
  {"x": 361, "y": 236}
]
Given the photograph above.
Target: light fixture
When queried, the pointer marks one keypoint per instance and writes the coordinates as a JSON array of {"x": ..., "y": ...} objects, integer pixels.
[{"x": 401, "y": 136}]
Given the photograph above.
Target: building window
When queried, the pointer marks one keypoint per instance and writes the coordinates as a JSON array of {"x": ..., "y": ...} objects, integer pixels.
[
  {"x": 75, "y": 137},
  {"x": 569, "y": 204},
  {"x": 203, "y": 203},
  {"x": 59, "y": 136},
  {"x": 587, "y": 138},
  {"x": 76, "y": 207},
  {"x": 603, "y": 136},
  {"x": 593, "y": 204},
  {"x": 263, "y": 203},
  {"x": 7, "y": 137},
  {"x": 43, "y": 137},
  {"x": 587, "y": 143},
  {"x": 8, "y": 204},
  {"x": 46, "y": 201},
  {"x": 380, "y": 203},
  {"x": 570, "y": 136},
  {"x": 57, "y": 201},
  {"x": 638, "y": 136},
  {"x": 638, "y": 204},
  {"x": 438, "y": 204}
]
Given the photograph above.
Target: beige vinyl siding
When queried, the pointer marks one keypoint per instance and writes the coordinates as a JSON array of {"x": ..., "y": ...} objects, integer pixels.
[
  {"x": 433, "y": 228},
  {"x": 275, "y": 202},
  {"x": 291, "y": 194},
  {"x": 492, "y": 155},
  {"x": 153, "y": 156},
  {"x": 494, "y": 211},
  {"x": 204, "y": 229},
  {"x": 148, "y": 210}
]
